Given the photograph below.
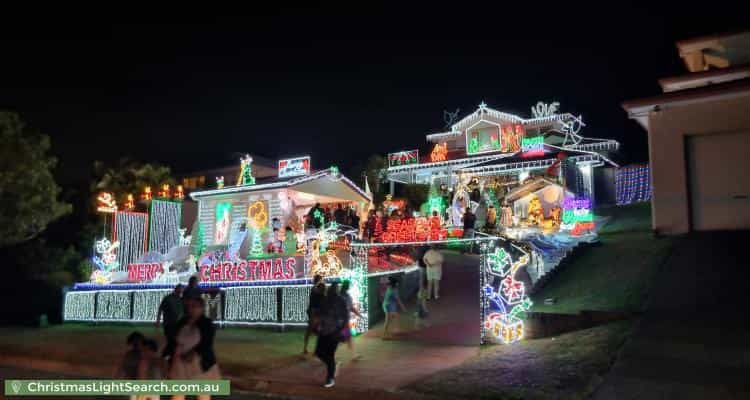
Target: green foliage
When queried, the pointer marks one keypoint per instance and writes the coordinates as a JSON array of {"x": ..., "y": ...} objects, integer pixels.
[
  {"x": 129, "y": 177},
  {"x": 374, "y": 168},
  {"x": 196, "y": 245},
  {"x": 28, "y": 192}
]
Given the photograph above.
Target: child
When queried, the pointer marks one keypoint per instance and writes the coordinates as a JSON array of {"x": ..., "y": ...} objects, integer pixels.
[
  {"x": 421, "y": 315},
  {"x": 149, "y": 366},
  {"x": 128, "y": 366}
]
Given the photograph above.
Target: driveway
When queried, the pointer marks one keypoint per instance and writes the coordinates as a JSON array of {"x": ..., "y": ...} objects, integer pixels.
[{"x": 692, "y": 342}]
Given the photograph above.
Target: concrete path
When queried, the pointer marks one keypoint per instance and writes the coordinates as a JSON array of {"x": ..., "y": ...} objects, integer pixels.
[
  {"x": 692, "y": 342},
  {"x": 452, "y": 337}
]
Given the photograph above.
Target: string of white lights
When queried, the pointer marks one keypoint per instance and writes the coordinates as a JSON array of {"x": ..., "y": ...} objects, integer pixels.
[
  {"x": 130, "y": 232},
  {"x": 113, "y": 304},
  {"x": 79, "y": 306},
  {"x": 146, "y": 303},
  {"x": 165, "y": 225},
  {"x": 294, "y": 301},
  {"x": 254, "y": 304}
]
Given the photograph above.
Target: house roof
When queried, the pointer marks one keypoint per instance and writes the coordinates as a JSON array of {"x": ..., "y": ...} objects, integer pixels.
[
  {"x": 640, "y": 108},
  {"x": 704, "y": 78},
  {"x": 326, "y": 183}
]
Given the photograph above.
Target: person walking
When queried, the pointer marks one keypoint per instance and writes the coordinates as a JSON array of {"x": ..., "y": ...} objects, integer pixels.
[
  {"x": 346, "y": 333},
  {"x": 434, "y": 261},
  {"x": 192, "y": 290},
  {"x": 171, "y": 310},
  {"x": 334, "y": 318},
  {"x": 194, "y": 356},
  {"x": 391, "y": 306},
  {"x": 370, "y": 224},
  {"x": 469, "y": 220},
  {"x": 421, "y": 315},
  {"x": 317, "y": 295}
]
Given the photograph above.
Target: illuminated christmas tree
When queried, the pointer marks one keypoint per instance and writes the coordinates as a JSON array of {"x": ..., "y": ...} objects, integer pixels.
[{"x": 246, "y": 171}]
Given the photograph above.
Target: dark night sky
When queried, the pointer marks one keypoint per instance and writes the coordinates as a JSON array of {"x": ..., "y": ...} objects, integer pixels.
[{"x": 337, "y": 84}]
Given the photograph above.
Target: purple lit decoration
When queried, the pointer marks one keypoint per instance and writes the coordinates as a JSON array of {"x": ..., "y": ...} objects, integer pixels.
[{"x": 633, "y": 184}]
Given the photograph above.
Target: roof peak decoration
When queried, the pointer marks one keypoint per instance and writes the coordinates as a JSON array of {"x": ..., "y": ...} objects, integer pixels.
[{"x": 542, "y": 109}]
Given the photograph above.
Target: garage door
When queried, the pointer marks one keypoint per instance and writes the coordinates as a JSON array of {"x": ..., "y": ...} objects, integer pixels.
[{"x": 719, "y": 176}]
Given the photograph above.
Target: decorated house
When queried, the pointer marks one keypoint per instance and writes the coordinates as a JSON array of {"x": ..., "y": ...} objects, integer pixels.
[
  {"x": 487, "y": 157},
  {"x": 255, "y": 246}
]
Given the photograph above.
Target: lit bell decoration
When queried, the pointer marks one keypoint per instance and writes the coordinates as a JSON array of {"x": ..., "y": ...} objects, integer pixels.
[
  {"x": 146, "y": 193},
  {"x": 165, "y": 191},
  {"x": 129, "y": 202},
  {"x": 179, "y": 193}
]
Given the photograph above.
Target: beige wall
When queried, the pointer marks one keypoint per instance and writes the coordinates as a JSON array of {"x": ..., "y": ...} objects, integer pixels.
[{"x": 667, "y": 131}]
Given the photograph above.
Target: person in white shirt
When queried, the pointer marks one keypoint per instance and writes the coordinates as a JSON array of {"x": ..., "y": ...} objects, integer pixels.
[{"x": 434, "y": 261}]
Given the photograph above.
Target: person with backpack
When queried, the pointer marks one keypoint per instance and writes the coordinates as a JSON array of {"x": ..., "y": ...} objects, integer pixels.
[{"x": 334, "y": 317}]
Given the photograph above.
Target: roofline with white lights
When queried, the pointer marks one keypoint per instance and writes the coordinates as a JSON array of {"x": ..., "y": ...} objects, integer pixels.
[{"x": 280, "y": 185}]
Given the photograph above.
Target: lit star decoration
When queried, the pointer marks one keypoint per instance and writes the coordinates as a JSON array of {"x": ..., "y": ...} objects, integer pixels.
[
  {"x": 106, "y": 203},
  {"x": 507, "y": 303}
]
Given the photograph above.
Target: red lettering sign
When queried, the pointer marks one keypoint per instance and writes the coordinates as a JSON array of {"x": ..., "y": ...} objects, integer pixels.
[
  {"x": 413, "y": 230},
  {"x": 144, "y": 272},
  {"x": 251, "y": 270}
]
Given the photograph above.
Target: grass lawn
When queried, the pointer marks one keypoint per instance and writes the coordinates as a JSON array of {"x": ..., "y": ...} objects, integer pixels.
[
  {"x": 240, "y": 351},
  {"x": 615, "y": 275},
  {"x": 568, "y": 366}
]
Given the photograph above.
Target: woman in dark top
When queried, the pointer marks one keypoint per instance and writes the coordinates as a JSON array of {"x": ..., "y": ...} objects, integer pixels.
[
  {"x": 317, "y": 295},
  {"x": 334, "y": 317}
]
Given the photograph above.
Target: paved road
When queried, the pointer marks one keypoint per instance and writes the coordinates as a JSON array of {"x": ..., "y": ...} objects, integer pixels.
[
  {"x": 452, "y": 338},
  {"x": 692, "y": 342},
  {"x": 19, "y": 373}
]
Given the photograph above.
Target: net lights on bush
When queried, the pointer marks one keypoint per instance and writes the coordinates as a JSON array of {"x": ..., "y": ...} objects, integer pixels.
[
  {"x": 113, "y": 305},
  {"x": 255, "y": 304},
  {"x": 504, "y": 298},
  {"x": 146, "y": 304},
  {"x": 79, "y": 306},
  {"x": 294, "y": 301}
]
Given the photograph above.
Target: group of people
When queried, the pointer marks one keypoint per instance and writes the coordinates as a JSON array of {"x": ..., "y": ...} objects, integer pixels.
[
  {"x": 189, "y": 350},
  {"x": 317, "y": 216},
  {"x": 329, "y": 313}
]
